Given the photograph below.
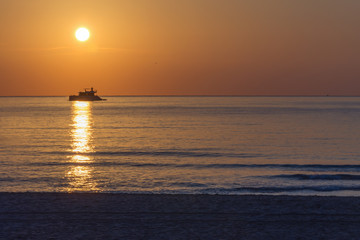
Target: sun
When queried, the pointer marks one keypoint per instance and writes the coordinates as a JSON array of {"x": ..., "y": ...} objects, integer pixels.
[{"x": 82, "y": 34}]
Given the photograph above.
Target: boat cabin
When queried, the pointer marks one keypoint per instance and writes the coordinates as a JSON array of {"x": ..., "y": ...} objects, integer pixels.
[{"x": 88, "y": 93}]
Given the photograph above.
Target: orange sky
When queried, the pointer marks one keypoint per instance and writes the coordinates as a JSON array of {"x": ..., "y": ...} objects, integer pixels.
[{"x": 188, "y": 47}]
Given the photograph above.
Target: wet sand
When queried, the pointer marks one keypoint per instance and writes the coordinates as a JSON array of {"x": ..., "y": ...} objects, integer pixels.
[{"x": 136, "y": 216}]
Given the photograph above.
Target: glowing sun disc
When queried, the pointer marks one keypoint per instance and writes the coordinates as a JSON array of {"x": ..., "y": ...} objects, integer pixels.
[{"x": 82, "y": 34}]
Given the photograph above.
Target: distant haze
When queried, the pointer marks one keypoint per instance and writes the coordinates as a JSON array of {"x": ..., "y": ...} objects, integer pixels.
[{"x": 188, "y": 47}]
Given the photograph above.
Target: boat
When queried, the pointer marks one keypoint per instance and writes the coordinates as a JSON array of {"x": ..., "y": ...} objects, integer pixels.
[{"x": 89, "y": 94}]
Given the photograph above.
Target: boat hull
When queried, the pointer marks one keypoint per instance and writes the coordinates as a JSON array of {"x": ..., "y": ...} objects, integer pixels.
[{"x": 85, "y": 98}]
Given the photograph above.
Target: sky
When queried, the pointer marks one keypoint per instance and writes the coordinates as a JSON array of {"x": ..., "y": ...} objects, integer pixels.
[{"x": 187, "y": 47}]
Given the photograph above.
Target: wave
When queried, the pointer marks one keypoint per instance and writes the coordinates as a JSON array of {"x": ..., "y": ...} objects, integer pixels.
[
  {"x": 197, "y": 154},
  {"x": 288, "y": 189},
  {"x": 319, "y": 176},
  {"x": 306, "y": 167},
  {"x": 28, "y": 179}
]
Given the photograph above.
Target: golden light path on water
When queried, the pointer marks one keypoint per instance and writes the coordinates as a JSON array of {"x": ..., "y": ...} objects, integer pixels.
[{"x": 80, "y": 174}]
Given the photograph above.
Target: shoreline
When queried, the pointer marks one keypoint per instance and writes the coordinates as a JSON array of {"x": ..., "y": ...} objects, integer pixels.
[{"x": 175, "y": 216}]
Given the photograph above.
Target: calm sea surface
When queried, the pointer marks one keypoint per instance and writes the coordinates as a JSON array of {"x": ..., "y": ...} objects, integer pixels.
[{"x": 214, "y": 145}]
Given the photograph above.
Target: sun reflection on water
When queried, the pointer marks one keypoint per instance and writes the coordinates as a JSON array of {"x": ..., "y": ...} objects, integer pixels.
[{"x": 80, "y": 176}]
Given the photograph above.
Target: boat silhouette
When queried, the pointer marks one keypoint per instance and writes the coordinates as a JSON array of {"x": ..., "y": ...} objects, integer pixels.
[{"x": 86, "y": 95}]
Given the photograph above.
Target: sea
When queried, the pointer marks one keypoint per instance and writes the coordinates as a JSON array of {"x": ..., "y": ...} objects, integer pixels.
[{"x": 181, "y": 145}]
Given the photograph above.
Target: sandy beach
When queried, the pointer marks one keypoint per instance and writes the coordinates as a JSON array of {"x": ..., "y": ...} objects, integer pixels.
[{"x": 136, "y": 216}]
